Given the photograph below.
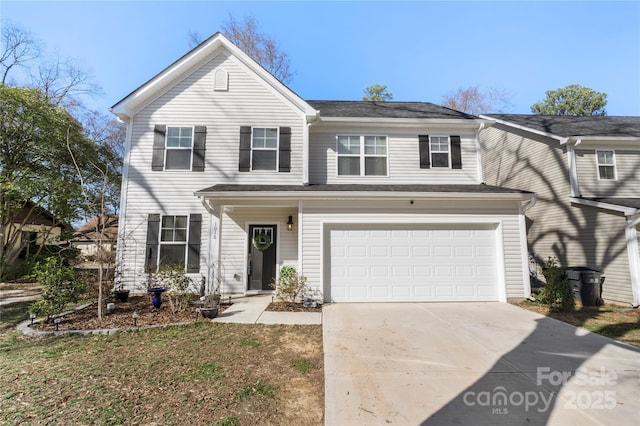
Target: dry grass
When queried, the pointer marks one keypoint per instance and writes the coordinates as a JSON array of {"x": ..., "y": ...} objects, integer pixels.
[
  {"x": 204, "y": 373},
  {"x": 617, "y": 322}
]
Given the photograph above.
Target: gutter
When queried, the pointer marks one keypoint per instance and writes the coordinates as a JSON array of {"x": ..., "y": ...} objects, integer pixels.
[{"x": 627, "y": 211}]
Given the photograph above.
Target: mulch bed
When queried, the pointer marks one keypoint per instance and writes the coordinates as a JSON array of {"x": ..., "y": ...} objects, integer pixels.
[
  {"x": 122, "y": 317},
  {"x": 291, "y": 307}
]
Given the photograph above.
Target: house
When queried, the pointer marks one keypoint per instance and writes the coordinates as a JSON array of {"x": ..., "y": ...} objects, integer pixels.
[
  {"x": 585, "y": 172},
  {"x": 98, "y": 233},
  {"x": 31, "y": 227},
  {"x": 230, "y": 173}
]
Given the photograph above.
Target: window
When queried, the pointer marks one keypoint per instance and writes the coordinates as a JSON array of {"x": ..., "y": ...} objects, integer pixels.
[
  {"x": 362, "y": 155},
  {"x": 178, "y": 153},
  {"x": 439, "y": 148},
  {"x": 606, "y": 163},
  {"x": 173, "y": 240},
  {"x": 264, "y": 149}
]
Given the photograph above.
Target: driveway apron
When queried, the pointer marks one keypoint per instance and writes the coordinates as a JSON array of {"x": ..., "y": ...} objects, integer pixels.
[{"x": 472, "y": 364}]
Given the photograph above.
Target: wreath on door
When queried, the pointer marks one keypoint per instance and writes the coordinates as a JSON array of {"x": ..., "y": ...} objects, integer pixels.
[{"x": 262, "y": 241}]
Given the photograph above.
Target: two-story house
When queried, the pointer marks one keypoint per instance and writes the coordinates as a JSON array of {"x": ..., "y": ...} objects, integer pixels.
[
  {"x": 230, "y": 173},
  {"x": 585, "y": 172}
]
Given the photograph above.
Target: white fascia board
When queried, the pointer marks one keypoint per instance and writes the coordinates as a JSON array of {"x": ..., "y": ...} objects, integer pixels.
[
  {"x": 627, "y": 211},
  {"x": 388, "y": 121},
  {"x": 561, "y": 139},
  {"x": 188, "y": 63},
  {"x": 274, "y": 196}
]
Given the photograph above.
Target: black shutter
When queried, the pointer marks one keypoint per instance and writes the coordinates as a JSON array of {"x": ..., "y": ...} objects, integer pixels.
[
  {"x": 285, "y": 150},
  {"x": 244, "y": 162},
  {"x": 425, "y": 160},
  {"x": 199, "y": 142},
  {"x": 193, "y": 246},
  {"x": 153, "y": 233},
  {"x": 157, "y": 159},
  {"x": 456, "y": 155}
]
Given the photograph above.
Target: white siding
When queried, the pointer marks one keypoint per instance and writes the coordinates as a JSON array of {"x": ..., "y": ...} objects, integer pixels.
[
  {"x": 403, "y": 157},
  {"x": 504, "y": 214},
  {"x": 235, "y": 243},
  {"x": 192, "y": 101},
  {"x": 575, "y": 235},
  {"x": 628, "y": 172}
]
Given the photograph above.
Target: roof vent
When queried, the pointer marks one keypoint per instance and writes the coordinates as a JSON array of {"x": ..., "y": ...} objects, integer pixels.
[{"x": 221, "y": 80}]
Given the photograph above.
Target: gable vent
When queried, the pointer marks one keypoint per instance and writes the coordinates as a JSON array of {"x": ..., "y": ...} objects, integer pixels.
[{"x": 221, "y": 80}]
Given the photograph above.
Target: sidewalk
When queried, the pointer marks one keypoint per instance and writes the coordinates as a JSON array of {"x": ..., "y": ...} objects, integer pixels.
[{"x": 251, "y": 310}]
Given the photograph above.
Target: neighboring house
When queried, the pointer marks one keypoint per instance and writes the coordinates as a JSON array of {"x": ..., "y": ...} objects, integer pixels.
[
  {"x": 585, "y": 172},
  {"x": 31, "y": 228},
  {"x": 98, "y": 233},
  {"x": 230, "y": 173}
]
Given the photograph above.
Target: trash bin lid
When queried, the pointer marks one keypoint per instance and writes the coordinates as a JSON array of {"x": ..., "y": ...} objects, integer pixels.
[{"x": 581, "y": 269}]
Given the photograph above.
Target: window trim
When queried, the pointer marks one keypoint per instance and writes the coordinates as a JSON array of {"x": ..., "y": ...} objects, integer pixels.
[
  {"x": 614, "y": 164},
  {"x": 432, "y": 151},
  {"x": 167, "y": 148},
  {"x": 276, "y": 149},
  {"x": 362, "y": 155},
  {"x": 184, "y": 243}
]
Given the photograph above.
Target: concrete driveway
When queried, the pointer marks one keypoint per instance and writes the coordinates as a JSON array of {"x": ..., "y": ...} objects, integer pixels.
[{"x": 472, "y": 364}]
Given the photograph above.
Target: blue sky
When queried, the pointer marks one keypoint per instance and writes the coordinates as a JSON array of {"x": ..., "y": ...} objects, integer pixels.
[{"x": 420, "y": 50}]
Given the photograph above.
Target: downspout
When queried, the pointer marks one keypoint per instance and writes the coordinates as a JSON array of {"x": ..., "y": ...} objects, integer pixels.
[
  {"x": 478, "y": 153},
  {"x": 526, "y": 279},
  {"x": 633, "y": 251},
  {"x": 573, "y": 172}
]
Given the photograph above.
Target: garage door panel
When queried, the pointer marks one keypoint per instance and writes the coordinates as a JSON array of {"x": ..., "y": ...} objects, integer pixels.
[{"x": 413, "y": 264}]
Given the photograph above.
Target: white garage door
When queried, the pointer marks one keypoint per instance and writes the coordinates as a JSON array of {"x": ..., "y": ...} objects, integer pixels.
[{"x": 416, "y": 263}]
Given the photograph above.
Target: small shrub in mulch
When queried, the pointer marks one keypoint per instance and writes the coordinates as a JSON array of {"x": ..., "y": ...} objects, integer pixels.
[{"x": 291, "y": 307}]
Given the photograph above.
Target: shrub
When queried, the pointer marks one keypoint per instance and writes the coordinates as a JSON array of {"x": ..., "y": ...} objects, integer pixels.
[
  {"x": 177, "y": 283},
  {"x": 556, "y": 292},
  {"x": 61, "y": 284},
  {"x": 289, "y": 287}
]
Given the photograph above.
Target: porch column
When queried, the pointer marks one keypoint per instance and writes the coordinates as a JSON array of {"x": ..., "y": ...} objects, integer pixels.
[{"x": 633, "y": 252}]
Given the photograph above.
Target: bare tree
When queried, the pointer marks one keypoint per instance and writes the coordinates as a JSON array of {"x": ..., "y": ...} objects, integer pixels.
[
  {"x": 260, "y": 47},
  {"x": 18, "y": 49},
  {"x": 473, "y": 100}
]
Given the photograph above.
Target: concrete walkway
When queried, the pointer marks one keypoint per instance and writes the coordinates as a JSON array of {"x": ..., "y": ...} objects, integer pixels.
[
  {"x": 251, "y": 310},
  {"x": 472, "y": 364}
]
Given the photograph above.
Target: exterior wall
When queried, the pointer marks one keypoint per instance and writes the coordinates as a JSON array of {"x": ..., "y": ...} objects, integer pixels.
[
  {"x": 627, "y": 168},
  {"x": 576, "y": 235},
  {"x": 192, "y": 101},
  {"x": 46, "y": 235},
  {"x": 235, "y": 243},
  {"x": 403, "y": 156},
  {"x": 504, "y": 214}
]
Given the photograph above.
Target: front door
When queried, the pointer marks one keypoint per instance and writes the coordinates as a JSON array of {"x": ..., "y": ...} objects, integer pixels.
[{"x": 262, "y": 256}]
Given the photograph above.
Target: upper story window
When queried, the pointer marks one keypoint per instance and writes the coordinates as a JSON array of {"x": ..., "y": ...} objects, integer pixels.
[
  {"x": 178, "y": 152},
  {"x": 178, "y": 148},
  {"x": 264, "y": 149},
  {"x": 439, "y": 148},
  {"x": 362, "y": 155},
  {"x": 606, "y": 163},
  {"x": 440, "y": 151},
  {"x": 173, "y": 240}
]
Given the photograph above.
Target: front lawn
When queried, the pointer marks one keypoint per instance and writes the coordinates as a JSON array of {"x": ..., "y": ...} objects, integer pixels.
[
  {"x": 617, "y": 322},
  {"x": 204, "y": 373}
]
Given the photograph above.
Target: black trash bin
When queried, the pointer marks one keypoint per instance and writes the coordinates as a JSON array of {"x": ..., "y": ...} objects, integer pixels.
[
  {"x": 586, "y": 285},
  {"x": 591, "y": 292}
]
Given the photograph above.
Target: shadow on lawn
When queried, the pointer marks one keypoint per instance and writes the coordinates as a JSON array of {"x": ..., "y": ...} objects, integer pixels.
[{"x": 13, "y": 314}]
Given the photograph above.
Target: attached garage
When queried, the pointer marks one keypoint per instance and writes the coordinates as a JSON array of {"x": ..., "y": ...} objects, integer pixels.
[{"x": 409, "y": 263}]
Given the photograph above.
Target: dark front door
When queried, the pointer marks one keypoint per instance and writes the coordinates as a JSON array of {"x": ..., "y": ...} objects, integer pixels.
[{"x": 262, "y": 256}]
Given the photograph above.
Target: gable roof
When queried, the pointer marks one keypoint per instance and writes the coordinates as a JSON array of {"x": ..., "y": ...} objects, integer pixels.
[
  {"x": 567, "y": 126},
  {"x": 372, "y": 109},
  {"x": 182, "y": 67},
  {"x": 107, "y": 229}
]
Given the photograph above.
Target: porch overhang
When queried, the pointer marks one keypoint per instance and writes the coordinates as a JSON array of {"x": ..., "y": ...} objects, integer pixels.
[{"x": 290, "y": 195}]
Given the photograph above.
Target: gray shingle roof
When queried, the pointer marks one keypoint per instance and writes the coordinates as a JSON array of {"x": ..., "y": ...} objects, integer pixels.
[
  {"x": 484, "y": 189},
  {"x": 386, "y": 110},
  {"x": 634, "y": 203},
  {"x": 566, "y": 126}
]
